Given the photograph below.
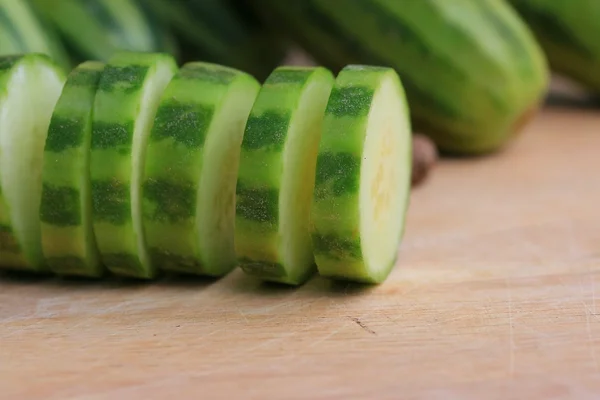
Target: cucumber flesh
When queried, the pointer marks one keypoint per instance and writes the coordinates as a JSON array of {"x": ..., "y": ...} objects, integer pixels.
[
  {"x": 68, "y": 239},
  {"x": 30, "y": 85},
  {"x": 277, "y": 174},
  {"x": 363, "y": 176},
  {"x": 129, "y": 91},
  {"x": 191, "y": 169}
]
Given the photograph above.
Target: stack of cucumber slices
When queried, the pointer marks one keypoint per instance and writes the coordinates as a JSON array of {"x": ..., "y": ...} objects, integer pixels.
[{"x": 137, "y": 166}]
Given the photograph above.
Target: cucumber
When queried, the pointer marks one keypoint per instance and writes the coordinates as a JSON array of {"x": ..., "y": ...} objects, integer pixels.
[
  {"x": 124, "y": 108},
  {"x": 96, "y": 29},
  {"x": 566, "y": 31},
  {"x": 68, "y": 240},
  {"x": 277, "y": 173},
  {"x": 363, "y": 176},
  {"x": 21, "y": 31},
  {"x": 191, "y": 169},
  {"x": 30, "y": 86},
  {"x": 472, "y": 70}
]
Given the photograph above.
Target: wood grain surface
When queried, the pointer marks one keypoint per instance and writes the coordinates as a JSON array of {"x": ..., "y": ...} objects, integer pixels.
[{"x": 494, "y": 297}]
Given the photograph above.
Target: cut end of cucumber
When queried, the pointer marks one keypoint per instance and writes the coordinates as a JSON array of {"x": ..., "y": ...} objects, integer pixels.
[
  {"x": 384, "y": 179},
  {"x": 29, "y": 89},
  {"x": 363, "y": 176}
]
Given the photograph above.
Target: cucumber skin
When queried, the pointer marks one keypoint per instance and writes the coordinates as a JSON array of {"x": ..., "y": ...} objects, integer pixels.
[
  {"x": 116, "y": 105},
  {"x": 12, "y": 253},
  {"x": 335, "y": 214},
  {"x": 258, "y": 202},
  {"x": 175, "y": 164},
  {"x": 485, "y": 70},
  {"x": 65, "y": 201},
  {"x": 567, "y": 32}
]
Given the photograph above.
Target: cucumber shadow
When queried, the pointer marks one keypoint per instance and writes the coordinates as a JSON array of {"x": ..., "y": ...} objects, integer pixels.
[{"x": 315, "y": 286}]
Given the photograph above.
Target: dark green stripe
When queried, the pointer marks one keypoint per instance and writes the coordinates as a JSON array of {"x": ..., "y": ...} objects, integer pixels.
[
  {"x": 337, "y": 174},
  {"x": 350, "y": 101},
  {"x": 257, "y": 204},
  {"x": 8, "y": 241},
  {"x": 552, "y": 28},
  {"x": 110, "y": 135},
  {"x": 127, "y": 79},
  {"x": 514, "y": 41},
  {"x": 64, "y": 133},
  {"x": 215, "y": 74},
  {"x": 67, "y": 264},
  {"x": 262, "y": 268},
  {"x": 266, "y": 131},
  {"x": 15, "y": 34},
  {"x": 60, "y": 205},
  {"x": 84, "y": 77},
  {"x": 169, "y": 202},
  {"x": 336, "y": 247},
  {"x": 99, "y": 12},
  {"x": 9, "y": 61},
  {"x": 111, "y": 202},
  {"x": 186, "y": 123},
  {"x": 165, "y": 259},
  {"x": 288, "y": 75},
  {"x": 124, "y": 264}
]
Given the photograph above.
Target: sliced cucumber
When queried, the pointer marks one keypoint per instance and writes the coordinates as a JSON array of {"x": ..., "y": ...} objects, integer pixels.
[
  {"x": 68, "y": 239},
  {"x": 125, "y": 105},
  {"x": 30, "y": 85},
  {"x": 277, "y": 173},
  {"x": 191, "y": 169},
  {"x": 363, "y": 176}
]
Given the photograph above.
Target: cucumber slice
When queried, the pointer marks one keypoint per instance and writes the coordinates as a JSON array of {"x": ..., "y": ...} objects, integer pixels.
[
  {"x": 125, "y": 105},
  {"x": 68, "y": 239},
  {"x": 191, "y": 169},
  {"x": 276, "y": 175},
  {"x": 363, "y": 176},
  {"x": 30, "y": 85}
]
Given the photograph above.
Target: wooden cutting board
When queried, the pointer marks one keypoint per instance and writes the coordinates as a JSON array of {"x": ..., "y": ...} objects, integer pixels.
[{"x": 494, "y": 297}]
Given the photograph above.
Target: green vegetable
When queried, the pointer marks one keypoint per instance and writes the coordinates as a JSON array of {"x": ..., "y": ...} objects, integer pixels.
[
  {"x": 191, "y": 168},
  {"x": 568, "y": 32},
  {"x": 471, "y": 68},
  {"x": 21, "y": 31},
  {"x": 125, "y": 105},
  {"x": 68, "y": 239},
  {"x": 30, "y": 85},
  {"x": 277, "y": 173},
  {"x": 363, "y": 176},
  {"x": 96, "y": 29}
]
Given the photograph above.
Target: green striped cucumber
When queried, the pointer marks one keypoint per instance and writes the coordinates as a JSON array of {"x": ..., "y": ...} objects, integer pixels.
[
  {"x": 68, "y": 239},
  {"x": 363, "y": 176},
  {"x": 215, "y": 31},
  {"x": 30, "y": 86},
  {"x": 126, "y": 101},
  {"x": 95, "y": 29},
  {"x": 191, "y": 169},
  {"x": 21, "y": 31},
  {"x": 471, "y": 69},
  {"x": 568, "y": 32},
  {"x": 277, "y": 173}
]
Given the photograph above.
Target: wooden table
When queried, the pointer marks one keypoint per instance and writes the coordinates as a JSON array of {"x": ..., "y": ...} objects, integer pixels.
[{"x": 493, "y": 297}]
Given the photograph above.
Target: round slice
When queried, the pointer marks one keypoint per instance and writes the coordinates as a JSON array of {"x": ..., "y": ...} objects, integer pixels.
[
  {"x": 363, "y": 176},
  {"x": 68, "y": 239},
  {"x": 30, "y": 86},
  {"x": 277, "y": 174},
  {"x": 191, "y": 169},
  {"x": 128, "y": 94}
]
